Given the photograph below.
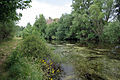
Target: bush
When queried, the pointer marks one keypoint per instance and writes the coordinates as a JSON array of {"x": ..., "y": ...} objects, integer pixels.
[
  {"x": 33, "y": 46},
  {"x": 23, "y": 64}
]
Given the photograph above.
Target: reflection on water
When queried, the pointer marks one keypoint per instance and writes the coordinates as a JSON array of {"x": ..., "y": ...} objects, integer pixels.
[{"x": 88, "y": 61}]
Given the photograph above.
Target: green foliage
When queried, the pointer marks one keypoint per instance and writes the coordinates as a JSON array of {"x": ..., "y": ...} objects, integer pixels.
[
  {"x": 24, "y": 69},
  {"x": 19, "y": 31},
  {"x": 112, "y": 32},
  {"x": 34, "y": 46},
  {"x": 51, "y": 30},
  {"x": 90, "y": 16},
  {"x": 82, "y": 28},
  {"x": 40, "y": 24},
  {"x": 7, "y": 30},
  {"x": 96, "y": 17},
  {"x": 28, "y": 30},
  {"x": 118, "y": 9},
  {"x": 23, "y": 63},
  {"x": 8, "y": 9},
  {"x": 8, "y": 15},
  {"x": 64, "y": 25}
]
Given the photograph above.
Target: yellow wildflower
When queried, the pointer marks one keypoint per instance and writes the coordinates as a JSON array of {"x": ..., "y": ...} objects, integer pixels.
[
  {"x": 53, "y": 70},
  {"x": 51, "y": 63},
  {"x": 58, "y": 70},
  {"x": 43, "y": 60}
]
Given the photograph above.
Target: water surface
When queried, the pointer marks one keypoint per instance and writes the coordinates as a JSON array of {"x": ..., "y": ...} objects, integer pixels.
[{"x": 88, "y": 61}]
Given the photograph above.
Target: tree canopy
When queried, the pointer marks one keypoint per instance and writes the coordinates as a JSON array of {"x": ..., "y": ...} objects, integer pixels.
[
  {"x": 8, "y": 9},
  {"x": 8, "y": 16}
]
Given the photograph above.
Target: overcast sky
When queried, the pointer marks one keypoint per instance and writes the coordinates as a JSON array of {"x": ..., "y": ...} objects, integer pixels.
[{"x": 49, "y": 8}]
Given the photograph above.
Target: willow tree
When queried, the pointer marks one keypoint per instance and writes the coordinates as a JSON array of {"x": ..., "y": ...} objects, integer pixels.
[
  {"x": 90, "y": 16},
  {"x": 81, "y": 28}
]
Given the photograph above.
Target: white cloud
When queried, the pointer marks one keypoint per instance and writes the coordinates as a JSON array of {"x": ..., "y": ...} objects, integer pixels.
[{"x": 46, "y": 9}]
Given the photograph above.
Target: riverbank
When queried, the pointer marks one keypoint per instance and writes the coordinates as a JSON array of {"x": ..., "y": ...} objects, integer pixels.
[{"x": 77, "y": 61}]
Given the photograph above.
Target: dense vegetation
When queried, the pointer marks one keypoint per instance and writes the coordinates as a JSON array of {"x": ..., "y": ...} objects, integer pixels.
[
  {"x": 23, "y": 62},
  {"x": 90, "y": 20}
]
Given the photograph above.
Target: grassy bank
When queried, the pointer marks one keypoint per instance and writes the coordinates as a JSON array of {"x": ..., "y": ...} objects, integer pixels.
[{"x": 32, "y": 60}]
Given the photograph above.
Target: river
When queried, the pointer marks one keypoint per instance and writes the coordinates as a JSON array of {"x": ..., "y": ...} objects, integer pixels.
[{"x": 87, "y": 61}]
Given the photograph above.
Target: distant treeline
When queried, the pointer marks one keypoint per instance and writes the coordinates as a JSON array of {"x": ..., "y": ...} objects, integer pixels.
[{"x": 90, "y": 20}]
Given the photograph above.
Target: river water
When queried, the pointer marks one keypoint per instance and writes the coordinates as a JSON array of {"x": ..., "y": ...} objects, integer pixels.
[{"x": 88, "y": 61}]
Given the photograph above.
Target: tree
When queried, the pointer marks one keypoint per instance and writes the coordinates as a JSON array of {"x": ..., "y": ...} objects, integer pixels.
[
  {"x": 64, "y": 25},
  {"x": 96, "y": 18},
  {"x": 118, "y": 9},
  {"x": 7, "y": 30},
  {"x": 81, "y": 28},
  {"x": 8, "y": 9},
  {"x": 40, "y": 24},
  {"x": 8, "y": 16},
  {"x": 19, "y": 30},
  {"x": 90, "y": 16},
  {"x": 51, "y": 30},
  {"x": 28, "y": 30}
]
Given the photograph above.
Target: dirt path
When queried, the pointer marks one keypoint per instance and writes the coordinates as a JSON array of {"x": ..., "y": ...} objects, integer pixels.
[{"x": 5, "y": 49}]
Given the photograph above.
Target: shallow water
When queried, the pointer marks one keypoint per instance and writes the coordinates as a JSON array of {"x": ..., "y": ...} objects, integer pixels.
[{"x": 81, "y": 61}]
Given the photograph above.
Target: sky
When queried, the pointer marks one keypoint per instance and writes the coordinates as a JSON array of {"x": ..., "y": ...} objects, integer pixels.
[{"x": 49, "y": 8}]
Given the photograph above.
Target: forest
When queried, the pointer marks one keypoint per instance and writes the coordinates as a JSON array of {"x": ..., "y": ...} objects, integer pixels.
[{"x": 82, "y": 45}]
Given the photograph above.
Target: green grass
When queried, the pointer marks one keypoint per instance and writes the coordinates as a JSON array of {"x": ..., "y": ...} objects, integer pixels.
[{"x": 7, "y": 47}]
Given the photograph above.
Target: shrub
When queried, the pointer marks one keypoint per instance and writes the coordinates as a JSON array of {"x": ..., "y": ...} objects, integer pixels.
[
  {"x": 23, "y": 64},
  {"x": 33, "y": 46}
]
